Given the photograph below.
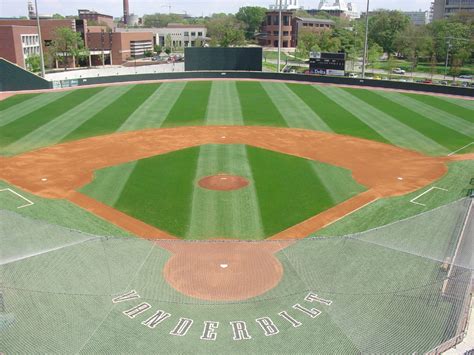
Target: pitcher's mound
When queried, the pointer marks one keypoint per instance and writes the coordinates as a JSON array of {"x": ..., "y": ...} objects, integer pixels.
[{"x": 223, "y": 182}]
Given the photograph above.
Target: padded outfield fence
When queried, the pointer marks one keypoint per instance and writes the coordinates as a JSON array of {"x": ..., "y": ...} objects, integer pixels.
[{"x": 401, "y": 288}]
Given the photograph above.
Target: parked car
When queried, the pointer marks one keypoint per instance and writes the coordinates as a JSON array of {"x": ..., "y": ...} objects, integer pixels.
[
  {"x": 443, "y": 82},
  {"x": 465, "y": 77},
  {"x": 352, "y": 75},
  {"x": 398, "y": 71},
  {"x": 465, "y": 84},
  {"x": 427, "y": 81}
]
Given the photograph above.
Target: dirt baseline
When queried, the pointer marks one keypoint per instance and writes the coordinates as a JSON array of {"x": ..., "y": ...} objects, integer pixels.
[
  {"x": 221, "y": 271},
  {"x": 59, "y": 171}
]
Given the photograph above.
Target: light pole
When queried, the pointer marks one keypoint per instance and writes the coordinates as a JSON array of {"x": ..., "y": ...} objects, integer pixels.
[
  {"x": 43, "y": 73},
  {"x": 279, "y": 37},
  {"x": 448, "y": 47},
  {"x": 366, "y": 40}
]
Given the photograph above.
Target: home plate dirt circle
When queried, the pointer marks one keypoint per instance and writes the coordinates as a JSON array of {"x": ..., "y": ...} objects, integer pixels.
[
  {"x": 223, "y": 182},
  {"x": 223, "y": 271}
]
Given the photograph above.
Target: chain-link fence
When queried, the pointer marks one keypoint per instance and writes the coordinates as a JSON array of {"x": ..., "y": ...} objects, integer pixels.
[{"x": 401, "y": 288}]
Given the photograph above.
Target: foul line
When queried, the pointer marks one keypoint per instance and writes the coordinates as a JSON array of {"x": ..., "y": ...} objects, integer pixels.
[
  {"x": 467, "y": 145},
  {"x": 413, "y": 200},
  {"x": 30, "y": 203}
]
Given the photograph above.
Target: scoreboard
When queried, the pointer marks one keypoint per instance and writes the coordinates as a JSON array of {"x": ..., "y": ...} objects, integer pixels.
[{"x": 323, "y": 63}]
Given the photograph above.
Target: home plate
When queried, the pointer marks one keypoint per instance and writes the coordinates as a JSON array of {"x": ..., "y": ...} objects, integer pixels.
[
  {"x": 224, "y": 266},
  {"x": 44, "y": 179},
  {"x": 399, "y": 178}
]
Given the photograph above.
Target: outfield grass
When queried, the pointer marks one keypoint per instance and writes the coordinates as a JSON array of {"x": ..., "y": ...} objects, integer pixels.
[
  {"x": 15, "y": 100},
  {"x": 443, "y": 135},
  {"x": 431, "y": 125},
  {"x": 162, "y": 191},
  {"x": 34, "y": 120},
  {"x": 340, "y": 120}
]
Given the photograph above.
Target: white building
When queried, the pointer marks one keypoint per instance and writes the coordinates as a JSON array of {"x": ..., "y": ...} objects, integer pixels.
[
  {"x": 180, "y": 35},
  {"x": 349, "y": 9},
  {"x": 418, "y": 17},
  {"x": 286, "y": 5}
]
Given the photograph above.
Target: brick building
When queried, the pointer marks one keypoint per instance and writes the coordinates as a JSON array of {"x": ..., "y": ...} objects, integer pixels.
[
  {"x": 118, "y": 47},
  {"x": 291, "y": 27},
  {"x": 17, "y": 43},
  {"x": 96, "y": 18}
]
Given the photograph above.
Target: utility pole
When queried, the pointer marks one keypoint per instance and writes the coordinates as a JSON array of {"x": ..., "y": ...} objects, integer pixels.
[
  {"x": 364, "y": 59},
  {"x": 279, "y": 36},
  {"x": 43, "y": 73},
  {"x": 448, "y": 47}
]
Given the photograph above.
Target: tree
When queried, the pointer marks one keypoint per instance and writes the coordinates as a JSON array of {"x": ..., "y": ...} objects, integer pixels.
[
  {"x": 385, "y": 26},
  {"x": 168, "y": 44},
  {"x": 374, "y": 53},
  {"x": 322, "y": 41},
  {"x": 252, "y": 17},
  {"x": 67, "y": 43},
  {"x": 225, "y": 30},
  {"x": 162, "y": 20},
  {"x": 157, "y": 49},
  {"x": 58, "y": 17},
  {"x": 33, "y": 63}
]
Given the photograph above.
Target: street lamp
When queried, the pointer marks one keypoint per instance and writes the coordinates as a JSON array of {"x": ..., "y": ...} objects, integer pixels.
[
  {"x": 43, "y": 73},
  {"x": 366, "y": 40}
]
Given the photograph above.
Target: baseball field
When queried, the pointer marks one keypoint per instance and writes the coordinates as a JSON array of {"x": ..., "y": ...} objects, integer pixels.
[{"x": 262, "y": 216}]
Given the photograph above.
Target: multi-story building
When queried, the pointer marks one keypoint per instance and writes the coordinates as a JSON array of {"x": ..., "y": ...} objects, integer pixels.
[
  {"x": 445, "y": 8},
  {"x": 179, "y": 34},
  {"x": 418, "y": 18},
  {"x": 314, "y": 25},
  {"x": 118, "y": 47},
  {"x": 17, "y": 43},
  {"x": 338, "y": 8},
  {"x": 292, "y": 26},
  {"x": 96, "y": 18},
  {"x": 271, "y": 27}
]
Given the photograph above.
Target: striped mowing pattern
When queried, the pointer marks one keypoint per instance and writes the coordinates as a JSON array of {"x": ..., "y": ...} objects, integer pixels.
[
  {"x": 238, "y": 210},
  {"x": 387, "y": 126},
  {"x": 54, "y": 131},
  {"x": 293, "y": 109}
]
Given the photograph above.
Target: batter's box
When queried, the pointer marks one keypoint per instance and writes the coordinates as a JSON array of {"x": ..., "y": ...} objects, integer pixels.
[
  {"x": 11, "y": 198},
  {"x": 427, "y": 196}
]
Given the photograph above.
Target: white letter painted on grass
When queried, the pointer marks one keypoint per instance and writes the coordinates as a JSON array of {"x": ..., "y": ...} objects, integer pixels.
[
  {"x": 156, "y": 319},
  {"x": 313, "y": 312},
  {"x": 184, "y": 324},
  {"x": 311, "y": 297},
  {"x": 126, "y": 297},
  {"x": 135, "y": 311},
  {"x": 267, "y": 325},
  {"x": 290, "y": 319},
  {"x": 240, "y": 330},
  {"x": 209, "y": 332}
]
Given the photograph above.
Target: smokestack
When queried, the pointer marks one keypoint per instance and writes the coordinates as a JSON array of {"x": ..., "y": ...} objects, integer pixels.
[{"x": 126, "y": 11}]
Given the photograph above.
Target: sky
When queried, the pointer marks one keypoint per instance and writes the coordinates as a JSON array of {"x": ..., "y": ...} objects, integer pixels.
[{"x": 10, "y": 8}]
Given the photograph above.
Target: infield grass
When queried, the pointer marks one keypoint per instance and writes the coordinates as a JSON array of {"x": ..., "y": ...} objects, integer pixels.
[{"x": 163, "y": 191}]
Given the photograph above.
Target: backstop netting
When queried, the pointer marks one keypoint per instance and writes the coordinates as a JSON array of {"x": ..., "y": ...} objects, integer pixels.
[{"x": 401, "y": 288}]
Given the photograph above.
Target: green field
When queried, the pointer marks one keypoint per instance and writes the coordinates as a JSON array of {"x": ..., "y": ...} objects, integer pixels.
[
  {"x": 163, "y": 191},
  {"x": 431, "y": 125},
  {"x": 61, "y": 266}
]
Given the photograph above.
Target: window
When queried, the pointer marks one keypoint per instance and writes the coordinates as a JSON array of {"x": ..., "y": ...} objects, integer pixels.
[
  {"x": 286, "y": 20},
  {"x": 193, "y": 34},
  {"x": 275, "y": 20},
  {"x": 285, "y": 33},
  {"x": 200, "y": 34},
  {"x": 305, "y": 25},
  {"x": 275, "y": 33},
  {"x": 269, "y": 20},
  {"x": 186, "y": 33}
]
